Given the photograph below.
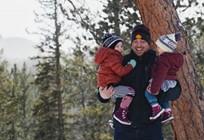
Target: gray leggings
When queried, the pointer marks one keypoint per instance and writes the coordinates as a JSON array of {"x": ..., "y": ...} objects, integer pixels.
[{"x": 121, "y": 91}]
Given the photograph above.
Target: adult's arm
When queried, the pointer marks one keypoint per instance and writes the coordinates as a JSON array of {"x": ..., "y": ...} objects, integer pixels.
[{"x": 104, "y": 94}]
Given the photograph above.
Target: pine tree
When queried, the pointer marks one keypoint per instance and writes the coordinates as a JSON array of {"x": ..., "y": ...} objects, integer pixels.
[
  {"x": 5, "y": 102},
  {"x": 48, "y": 108},
  {"x": 21, "y": 90},
  {"x": 15, "y": 110},
  {"x": 85, "y": 115}
]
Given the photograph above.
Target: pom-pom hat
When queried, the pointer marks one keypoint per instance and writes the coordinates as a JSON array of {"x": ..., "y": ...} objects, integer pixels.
[
  {"x": 168, "y": 42},
  {"x": 110, "y": 40}
]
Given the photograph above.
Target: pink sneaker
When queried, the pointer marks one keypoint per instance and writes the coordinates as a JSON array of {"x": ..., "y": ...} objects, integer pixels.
[
  {"x": 121, "y": 116},
  {"x": 157, "y": 110},
  {"x": 167, "y": 117}
]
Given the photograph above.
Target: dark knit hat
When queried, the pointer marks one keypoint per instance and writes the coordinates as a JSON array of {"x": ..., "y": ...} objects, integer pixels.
[
  {"x": 141, "y": 32},
  {"x": 110, "y": 40}
]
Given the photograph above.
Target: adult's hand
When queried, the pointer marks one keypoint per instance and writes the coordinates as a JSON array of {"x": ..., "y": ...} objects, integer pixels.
[{"x": 106, "y": 93}]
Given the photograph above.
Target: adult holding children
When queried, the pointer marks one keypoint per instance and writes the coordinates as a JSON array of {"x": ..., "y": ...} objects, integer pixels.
[{"x": 141, "y": 128}]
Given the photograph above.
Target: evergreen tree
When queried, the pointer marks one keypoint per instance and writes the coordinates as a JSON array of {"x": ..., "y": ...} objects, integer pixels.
[
  {"x": 114, "y": 19},
  {"x": 15, "y": 107},
  {"x": 6, "y": 102},
  {"x": 86, "y": 116},
  {"x": 48, "y": 108},
  {"x": 22, "y": 98},
  {"x": 198, "y": 54}
]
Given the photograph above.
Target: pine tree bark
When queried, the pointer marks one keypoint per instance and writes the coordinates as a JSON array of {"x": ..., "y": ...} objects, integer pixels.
[{"x": 161, "y": 18}]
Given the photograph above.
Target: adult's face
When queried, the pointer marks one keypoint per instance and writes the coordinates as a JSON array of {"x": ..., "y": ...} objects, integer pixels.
[{"x": 140, "y": 46}]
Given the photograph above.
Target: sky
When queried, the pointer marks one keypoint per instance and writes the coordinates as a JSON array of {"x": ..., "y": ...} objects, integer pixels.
[{"x": 15, "y": 17}]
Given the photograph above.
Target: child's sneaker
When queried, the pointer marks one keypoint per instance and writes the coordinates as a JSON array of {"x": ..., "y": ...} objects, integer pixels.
[
  {"x": 167, "y": 117},
  {"x": 121, "y": 116},
  {"x": 157, "y": 110}
]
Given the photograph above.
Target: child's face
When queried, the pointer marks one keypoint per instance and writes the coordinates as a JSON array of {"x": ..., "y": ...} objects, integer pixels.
[{"x": 119, "y": 47}]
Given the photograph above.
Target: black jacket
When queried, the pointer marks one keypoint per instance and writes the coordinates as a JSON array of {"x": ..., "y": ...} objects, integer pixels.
[{"x": 139, "y": 110}]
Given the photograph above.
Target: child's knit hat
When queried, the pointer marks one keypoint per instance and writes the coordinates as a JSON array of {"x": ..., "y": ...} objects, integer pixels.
[
  {"x": 110, "y": 40},
  {"x": 168, "y": 42}
]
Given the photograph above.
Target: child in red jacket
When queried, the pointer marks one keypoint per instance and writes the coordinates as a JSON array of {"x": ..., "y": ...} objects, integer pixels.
[
  {"x": 164, "y": 75},
  {"x": 109, "y": 59}
]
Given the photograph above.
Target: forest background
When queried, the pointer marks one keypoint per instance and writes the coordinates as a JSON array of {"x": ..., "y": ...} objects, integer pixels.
[{"x": 56, "y": 98}]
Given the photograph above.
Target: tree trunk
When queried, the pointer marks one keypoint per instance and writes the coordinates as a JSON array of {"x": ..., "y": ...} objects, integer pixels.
[
  {"x": 58, "y": 73},
  {"x": 161, "y": 18}
]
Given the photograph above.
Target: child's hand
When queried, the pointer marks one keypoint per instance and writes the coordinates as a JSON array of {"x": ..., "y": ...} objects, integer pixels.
[{"x": 132, "y": 62}]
